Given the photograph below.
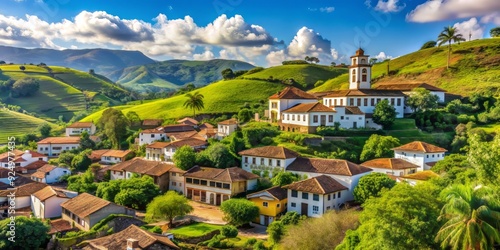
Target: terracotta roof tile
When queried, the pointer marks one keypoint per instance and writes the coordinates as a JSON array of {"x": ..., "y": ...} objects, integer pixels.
[
  {"x": 84, "y": 204},
  {"x": 97, "y": 154},
  {"x": 206, "y": 126},
  {"x": 17, "y": 154},
  {"x": 4, "y": 172},
  {"x": 192, "y": 142},
  {"x": 277, "y": 192},
  {"x": 49, "y": 191},
  {"x": 233, "y": 174},
  {"x": 153, "y": 131},
  {"x": 59, "y": 225},
  {"x": 419, "y": 146},
  {"x": 352, "y": 110},
  {"x": 309, "y": 107},
  {"x": 365, "y": 92},
  {"x": 60, "y": 140},
  {"x": 176, "y": 128},
  {"x": 327, "y": 166},
  {"x": 81, "y": 125},
  {"x": 292, "y": 93},
  {"x": 317, "y": 185},
  {"x": 231, "y": 121},
  {"x": 117, "y": 153},
  {"x": 408, "y": 87},
  {"x": 142, "y": 166},
  {"x": 275, "y": 152},
  {"x": 389, "y": 163},
  {"x": 188, "y": 121},
  {"x": 46, "y": 168},
  {"x": 24, "y": 190},
  {"x": 119, "y": 240},
  {"x": 183, "y": 135},
  {"x": 19, "y": 181},
  {"x": 32, "y": 166}
]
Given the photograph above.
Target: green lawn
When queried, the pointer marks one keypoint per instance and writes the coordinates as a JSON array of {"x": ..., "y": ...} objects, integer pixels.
[
  {"x": 196, "y": 229},
  {"x": 404, "y": 124},
  {"x": 16, "y": 124},
  {"x": 340, "y": 82}
]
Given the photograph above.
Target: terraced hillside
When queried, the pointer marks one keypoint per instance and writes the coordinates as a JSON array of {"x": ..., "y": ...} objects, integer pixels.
[{"x": 16, "y": 124}]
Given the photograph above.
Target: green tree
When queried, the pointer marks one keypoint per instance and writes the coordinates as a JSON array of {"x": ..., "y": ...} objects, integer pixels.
[
  {"x": 275, "y": 230},
  {"x": 168, "y": 207},
  {"x": 238, "y": 212},
  {"x": 81, "y": 162},
  {"x": 22, "y": 68},
  {"x": 422, "y": 99},
  {"x": 109, "y": 190},
  {"x": 472, "y": 218},
  {"x": 30, "y": 233},
  {"x": 137, "y": 192},
  {"x": 378, "y": 146},
  {"x": 284, "y": 178},
  {"x": 237, "y": 143},
  {"x": 429, "y": 44},
  {"x": 25, "y": 87},
  {"x": 218, "y": 155},
  {"x": 495, "y": 32},
  {"x": 26, "y": 138},
  {"x": 82, "y": 183},
  {"x": 372, "y": 185},
  {"x": 485, "y": 160},
  {"x": 449, "y": 35},
  {"x": 194, "y": 102},
  {"x": 114, "y": 125},
  {"x": 244, "y": 115},
  {"x": 65, "y": 158},
  {"x": 227, "y": 74},
  {"x": 133, "y": 118},
  {"x": 229, "y": 231},
  {"x": 44, "y": 129},
  {"x": 384, "y": 114},
  {"x": 291, "y": 218},
  {"x": 86, "y": 142},
  {"x": 185, "y": 157}
]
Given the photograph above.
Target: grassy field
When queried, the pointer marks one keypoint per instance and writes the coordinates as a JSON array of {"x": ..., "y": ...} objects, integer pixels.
[
  {"x": 220, "y": 97},
  {"x": 195, "y": 229},
  {"x": 16, "y": 124},
  {"x": 305, "y": 74},
  {"x": 406, "y": 131},
  {"x": 340, "y": 82},
  {"x": 490, "y": 128}
]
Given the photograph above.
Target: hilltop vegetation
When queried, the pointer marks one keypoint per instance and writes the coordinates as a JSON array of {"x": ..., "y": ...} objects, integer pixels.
[
  {"x": 173, "y": 74},
  {"x": 17, "y": 124},
  {"x": 474, "y": 66}
]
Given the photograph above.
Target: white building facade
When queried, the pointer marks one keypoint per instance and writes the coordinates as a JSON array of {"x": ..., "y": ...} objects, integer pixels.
[
  {"x": 78, "y": 128},
  {"x": 149, "y": 136},
  {"x": 54, "y": 146},
  {"x": 422, "y": 154}
]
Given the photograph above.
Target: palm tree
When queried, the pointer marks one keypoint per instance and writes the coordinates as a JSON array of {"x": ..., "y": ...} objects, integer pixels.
[
  {"x": 448, "y": 35},
  {"x": 472, "y": 218},
  {"x": 195, "y": 102}
]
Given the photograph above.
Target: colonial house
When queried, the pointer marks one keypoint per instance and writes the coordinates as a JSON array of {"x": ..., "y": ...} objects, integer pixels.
[
  {"x": 85, "y": 210},
  {"x": 407, "y": 89},
  {"x": 164, "y": 151},
  {"x": 77, "y": 128},
  {"x": 115, "y": 156},
  {"x": 214, "y": 185},
  {"x": 46, "y": 203},
  {"x": 272, "y": 203},
  {"x": 188, "y": 121},
  {"x": 391, "y": 166},
  {"x": 53, "y": 146},
  {"x": 49, "y": 174},
  {"x": 131, "y": 238},
  {"x": 166, "y": 175},
  {"x": 149, "y": 136},
  {"x": 227, "y": 127},
  {"x": 267, "y": 159},
  {"x": 21, "y": 195},
  {"x": 286, "y": 99},
  {"x": 315, "y": 196},
  {"x": 345, "y": 172},
  {"x": 423, "y": 154},
  {"x": 306, "y": 117},
  {"x": 20, "y": 158}
]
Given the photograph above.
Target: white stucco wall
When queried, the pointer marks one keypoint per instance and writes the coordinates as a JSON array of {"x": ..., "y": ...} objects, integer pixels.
[
  {"x": 55, "y": 149},
  {"x": 148, "y": 138}
]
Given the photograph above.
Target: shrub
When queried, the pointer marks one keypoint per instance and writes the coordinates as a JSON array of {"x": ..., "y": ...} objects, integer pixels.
[
  {"x": 250, "y": 242},
  {"x": 294, "y": 62},
  {"x": 267, "y": 140},
  {"x": 255, "y": 70},
  {"x": 25, "y": 87},
  {"x": 229, "y": 231},
  {"x": 259, "y": 245}
]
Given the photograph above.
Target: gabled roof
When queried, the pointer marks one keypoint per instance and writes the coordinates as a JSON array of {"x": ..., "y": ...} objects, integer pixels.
[
  {"x": 33, "y": 166},
  {"x": 176, "y": 128},
  {"x": 81, "y": 125},
  {"x": 96, "y": 155},
  {"x": 353, "y": 110},
  {"x": 292, "y": 93},
  {"x": 142, "y": 166},
  {"x": 276, "y": 152},
  {"x": 365, "y": 92},
  {"x": 84, "y": 204},
  {"x": 192, "y": 142},
  {"x": 59, "y": 225},
  {"x": 17, "y": 155},
  {"x": 153, "y": 131},
  {"x": 183, "y": 135},
  {"x": 389, "y": 163},
  {"x": 50, "y": 191},
  {"x": 188, "y": 121},
  {"x": 116, "y": 153},
  {"x": 231, "y": 121},
  {"x": 309, "y": 107},
  {"x": 409, "y": 87},
  {"x": 233, "y": 174},
  {"x": 206, "y": 126},
  {"x": 24, "y": 190},
  {"x": 277, "y": 193},
  {"x": 326, "y": 166},
  {"x": 119, "y": 240},
  {"x": 317, "y": 185},
  {"x": 419, "y": 146},
  {"x": 60, "y": 140}
]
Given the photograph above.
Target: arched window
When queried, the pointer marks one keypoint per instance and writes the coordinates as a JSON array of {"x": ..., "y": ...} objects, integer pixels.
[
  {"x": 363, "y": 75},
  {"x": 354, "y": 61},
  {"x": 363, "y": 61},
  {"x": 354, "y": 75}
]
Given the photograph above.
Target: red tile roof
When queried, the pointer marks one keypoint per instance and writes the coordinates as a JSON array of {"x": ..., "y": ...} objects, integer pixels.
[
  {"x": 353, "y": 110},
  {"x": 326, "y": 166},
  {"x": 142, "y": 166},
  {"x": 176, "y": 128},
  {"x": 419, "y": 146},
  {"x": 48, "y": 192},
  {"x": 292, "y": 93},
  {"x": 365, "y": 92},
  {"x": 81, "y": 125},
  {"x": 84, "y": 204},
  {"x": 59, "y": 225},
  {"x": 60, "y": 140},
  {"x": 389, "y": 163},
  {"x": 117, "y": 153},
  {"x": 192, "y": 142},
  {"x": 231, "y": 121},
  {"x": 17, "y": 154},
  {"x": 188, "y": 121},
  {"x": 233, "y": 174},
  {"x": 277, "y": 192},
  {"x": 317, "y": 185},
  {"x": 309, "y": 107},
  {"x": 276, "y": 152},
  {"x": 24, "y": 190}
]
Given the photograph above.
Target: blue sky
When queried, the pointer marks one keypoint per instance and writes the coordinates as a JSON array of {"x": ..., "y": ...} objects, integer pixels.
[{"x": 261, "y": 32}]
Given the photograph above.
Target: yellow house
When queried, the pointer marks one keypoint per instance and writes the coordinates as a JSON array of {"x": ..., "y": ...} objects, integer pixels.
[{"x": 271, "y": 202}]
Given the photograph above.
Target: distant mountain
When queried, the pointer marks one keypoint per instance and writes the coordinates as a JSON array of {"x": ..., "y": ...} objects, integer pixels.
[
  {"x": 103, "y": 61},
  {"x": 173, "y": 74}
]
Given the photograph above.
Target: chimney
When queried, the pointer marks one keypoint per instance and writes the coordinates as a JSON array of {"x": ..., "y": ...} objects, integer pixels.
[{"x": 132, "y": 244}]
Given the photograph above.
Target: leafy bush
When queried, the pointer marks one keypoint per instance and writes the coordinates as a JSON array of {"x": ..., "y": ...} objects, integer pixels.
[
  {"x": 267, "y": 140},
  {"x": 332, "y": 131},
  {"x": 229, "y": 231},
  {"x": 25, "y": 87},
  {"x": 255, "y": 70},
  {"x": 294, "y": 62},
  {"x": 259, "y": 245},
  {"x": 250, "y": 242}
]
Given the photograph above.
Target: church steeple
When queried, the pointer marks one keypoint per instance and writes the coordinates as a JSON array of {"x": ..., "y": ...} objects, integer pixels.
[{"x": 360, "y": 71}]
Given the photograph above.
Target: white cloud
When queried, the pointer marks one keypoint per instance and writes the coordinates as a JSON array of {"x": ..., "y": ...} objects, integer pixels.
[
  {"x": 389, "y": 6},
  {"x": 492, "y": 18},
  {"x": 327, "y": 9},
  {"x": 438, "y": 10},
  {"x": 207, "y": 55},
  {"x": 382, "y": 56},
  {"x": 471, "y": 27}
]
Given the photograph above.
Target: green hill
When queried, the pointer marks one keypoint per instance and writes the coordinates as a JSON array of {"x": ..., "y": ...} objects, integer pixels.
[
  {"x": 174, "y": 74},
  {"x": 474, "y": 66},
  {"x": 16, "y": 124},
  {"x": 61, "y": 90},
  {"x": 305, "y": 75},
  {"x": 220, "y": 97}
]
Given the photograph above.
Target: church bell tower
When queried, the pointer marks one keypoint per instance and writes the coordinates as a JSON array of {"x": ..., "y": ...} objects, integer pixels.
[{"x": 360, "y": 71}]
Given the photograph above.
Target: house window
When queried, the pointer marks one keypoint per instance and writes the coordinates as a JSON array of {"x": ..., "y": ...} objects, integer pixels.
[
  {"x": 365, "y": 101},
  {"x": 294, "y": 193},
  {"x": 341, "y": 102},
  {"x": 392, "y": 101},
  {"x": 218, "y": 184},
  {"x": 340, "y": 194},
  {"x": 334, "y": 195},
  {"x": 315, "y": 197},
  {"x": 278, "y": 163},
  {"x": 432, "y": 156},
  {"x": 293, "y": 117},
  {"x": 414, "y": 155},
  {"x": 265, "y": 204},
  {"x": 315, "y": 118},
  {"x": 274, "y": 105},
  {"x": 293, "y": 204},
  {"x": 359, "y": 101},
  {"x": 174, "y": 183},
  {"x": 372, "y": 101},
  {"x": 196, "y": 181},
  {"x": 303, "y": 118},
  {"x": 253, "y": 160},
  {"x": 246, "y": 159},
  {"x": 212, "y": 183},
  {"x": 270, "y": 162},
  {"x": 427, "y": 156},
  {"x": 315, "y": 209},
  {"x": 353, "y": 75},
  {"x": 378, "y": 100},
  {"x": 226, "y": 186},
  {"x": 341, "y": 117},
  {"x": 329, "y": 197},
  {"x": 261, "y": 161},
  {"x": 305, "y": 196},
  {"x": 334, "y": 102},
  {"x": 330, "y": 118},
  {"x": 278, "y": 205},
  {"x": 328, "y": 208},
  {"x": 399, "y": 101},
  {"x": 174, "y": 174},
  {"x": 287, "y": 117},
  {"x": 351, "y": 101},
  {"x": 203, "y": 182},
  {"x": 152, "y": 136},
  {"x": 189, "y": 180}
]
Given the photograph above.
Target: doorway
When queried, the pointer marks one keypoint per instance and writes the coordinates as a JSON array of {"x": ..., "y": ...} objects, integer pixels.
[{"x": 304, "y": 208}]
